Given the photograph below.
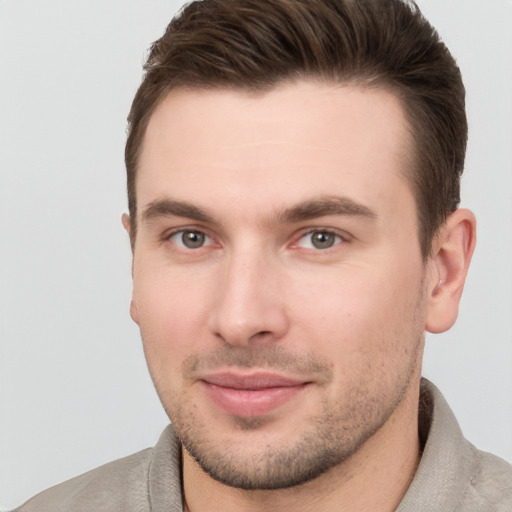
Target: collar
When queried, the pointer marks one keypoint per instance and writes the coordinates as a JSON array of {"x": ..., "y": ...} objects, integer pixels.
[{"x": 447, "y": 462}]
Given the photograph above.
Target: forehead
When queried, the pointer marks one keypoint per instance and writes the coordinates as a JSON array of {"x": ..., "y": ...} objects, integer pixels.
[{"x": 297, "y": 140}]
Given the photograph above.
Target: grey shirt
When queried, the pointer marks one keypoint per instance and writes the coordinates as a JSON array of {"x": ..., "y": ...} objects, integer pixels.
[{"x": 452, "y": 476}]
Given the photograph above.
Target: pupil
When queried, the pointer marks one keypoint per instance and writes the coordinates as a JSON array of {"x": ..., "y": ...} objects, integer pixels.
[
  {"x": 323, "y": 240},
  {"x": 193, "y": 239}
]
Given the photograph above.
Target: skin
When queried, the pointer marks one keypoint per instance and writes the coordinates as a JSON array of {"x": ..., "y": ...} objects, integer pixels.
[{"x": 253, "y": 181}]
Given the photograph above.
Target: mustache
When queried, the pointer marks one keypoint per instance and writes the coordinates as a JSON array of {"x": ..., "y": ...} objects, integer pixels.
[{"x": 271, "y": 357}]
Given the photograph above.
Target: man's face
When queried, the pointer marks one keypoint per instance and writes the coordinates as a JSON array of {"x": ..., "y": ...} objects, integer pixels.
[{"x": 278, "y": 279}]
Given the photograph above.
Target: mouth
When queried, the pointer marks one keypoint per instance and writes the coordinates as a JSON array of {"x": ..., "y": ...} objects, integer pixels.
[{"x": 251, "y": 395}]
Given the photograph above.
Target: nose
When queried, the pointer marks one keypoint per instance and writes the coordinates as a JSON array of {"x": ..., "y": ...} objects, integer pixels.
[{"x": 250, "y": 303}]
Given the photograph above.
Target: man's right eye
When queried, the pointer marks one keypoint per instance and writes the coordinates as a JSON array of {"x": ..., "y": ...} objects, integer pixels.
[{"x": 190, "y": 239}]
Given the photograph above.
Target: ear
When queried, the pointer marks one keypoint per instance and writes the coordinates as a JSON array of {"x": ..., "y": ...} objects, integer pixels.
[
  {"x": 125, "y": 219},
  {"x": 133, "y": 311},
  {"x": 452, "y": 249},
  {"x": 127, "y": 225}
]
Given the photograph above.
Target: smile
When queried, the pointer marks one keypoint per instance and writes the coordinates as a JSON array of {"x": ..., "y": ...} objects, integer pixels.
[{"x": 253, "y": 395}]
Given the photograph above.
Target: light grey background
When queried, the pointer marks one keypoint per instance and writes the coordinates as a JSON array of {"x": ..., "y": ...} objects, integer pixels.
[{"x": 74, "y": 389}]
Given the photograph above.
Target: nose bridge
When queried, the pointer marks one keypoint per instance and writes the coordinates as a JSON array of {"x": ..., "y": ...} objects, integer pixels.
[{"x": 249, "y": 305}]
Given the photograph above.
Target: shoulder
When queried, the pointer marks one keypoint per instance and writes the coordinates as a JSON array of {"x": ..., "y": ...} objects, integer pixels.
[
  {"x": 149, "y": 480},
  {"x": 121, "y": 485},
  {"x": 490, "y": 487},
  {"x": 453, "y": 474}
]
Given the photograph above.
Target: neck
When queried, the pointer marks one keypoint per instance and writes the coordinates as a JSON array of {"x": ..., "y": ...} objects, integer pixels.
[{"x": 373, "y": 479}]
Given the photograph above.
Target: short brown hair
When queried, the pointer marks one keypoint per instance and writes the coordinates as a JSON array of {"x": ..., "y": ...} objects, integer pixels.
[{"x": 256, "y": 44}]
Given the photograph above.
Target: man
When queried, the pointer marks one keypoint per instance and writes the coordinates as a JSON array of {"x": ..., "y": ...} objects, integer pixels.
[{"x": 293, "y": 182}]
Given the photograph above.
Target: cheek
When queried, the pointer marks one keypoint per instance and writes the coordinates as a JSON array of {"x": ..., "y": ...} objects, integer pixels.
[
  {"x": 172, "y": 313},
  {"x": 361, "y": 313}
]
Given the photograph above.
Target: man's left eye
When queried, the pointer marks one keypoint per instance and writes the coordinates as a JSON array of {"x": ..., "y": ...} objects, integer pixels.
[{"x": 319, "y": 240}]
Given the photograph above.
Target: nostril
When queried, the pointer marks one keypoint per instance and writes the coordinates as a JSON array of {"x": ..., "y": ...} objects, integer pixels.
[{"x": 260, "y": 334}]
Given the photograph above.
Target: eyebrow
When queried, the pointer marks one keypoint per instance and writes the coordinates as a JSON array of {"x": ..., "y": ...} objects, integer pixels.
[
  {"x": 318, "y": 207},
  {"x": 172, "y": 208},
  {"x": 325, "y": 206}
]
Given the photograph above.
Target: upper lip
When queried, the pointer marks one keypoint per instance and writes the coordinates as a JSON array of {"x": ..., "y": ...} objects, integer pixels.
[{"x": 252, "y": 381}]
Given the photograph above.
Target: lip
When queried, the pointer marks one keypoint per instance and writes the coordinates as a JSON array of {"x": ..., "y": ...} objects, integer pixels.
[{"x": 251, "y": 395}]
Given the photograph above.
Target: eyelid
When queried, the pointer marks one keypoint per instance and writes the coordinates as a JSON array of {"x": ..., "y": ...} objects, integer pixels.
[
  {"x": 168, "y": 234},
  {"x": 344, "y": 236}
]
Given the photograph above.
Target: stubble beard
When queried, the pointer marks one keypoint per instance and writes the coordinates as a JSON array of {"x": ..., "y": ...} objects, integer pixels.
[
  {"x": 336, "y": 433},
  {"x": 328, "y": 443}
]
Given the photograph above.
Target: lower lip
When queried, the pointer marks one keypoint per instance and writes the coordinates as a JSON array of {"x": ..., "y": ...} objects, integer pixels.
[{"x": 251, "y": 403}]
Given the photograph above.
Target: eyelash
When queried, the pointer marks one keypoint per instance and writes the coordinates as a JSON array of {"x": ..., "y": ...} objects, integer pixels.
[
  {"x": 339, "y": 238},
  {"x": 182, "y": 231}
]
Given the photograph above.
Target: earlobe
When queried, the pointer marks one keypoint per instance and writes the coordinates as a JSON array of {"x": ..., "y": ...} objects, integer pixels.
[{"x": 449, "y": 262}]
